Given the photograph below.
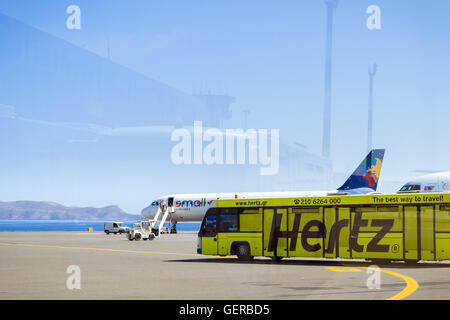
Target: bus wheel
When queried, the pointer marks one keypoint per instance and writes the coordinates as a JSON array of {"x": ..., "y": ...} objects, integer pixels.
[
  {"x": 243, "y": 252},
  {"x": 137, "y": 237}
]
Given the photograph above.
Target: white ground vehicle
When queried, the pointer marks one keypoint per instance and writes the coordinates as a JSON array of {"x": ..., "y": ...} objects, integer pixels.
[
  {"x": 141, "y": 230},
  {"x": 115, "y": 227}
]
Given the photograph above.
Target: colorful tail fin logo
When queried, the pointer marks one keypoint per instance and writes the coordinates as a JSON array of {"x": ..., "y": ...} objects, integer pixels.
[{"x": 367, "y": 173}]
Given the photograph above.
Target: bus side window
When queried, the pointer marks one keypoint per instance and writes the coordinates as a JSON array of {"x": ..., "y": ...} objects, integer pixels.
[{"x": 228, "y": 223}]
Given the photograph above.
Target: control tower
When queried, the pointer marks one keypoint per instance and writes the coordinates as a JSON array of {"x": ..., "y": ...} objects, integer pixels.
[
  {"x": 331, "y": 5},
  {"x": 215, "y": 110}
]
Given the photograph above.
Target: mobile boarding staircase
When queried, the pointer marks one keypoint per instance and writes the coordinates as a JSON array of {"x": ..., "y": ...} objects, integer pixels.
[{"x": 157, "y": 223}]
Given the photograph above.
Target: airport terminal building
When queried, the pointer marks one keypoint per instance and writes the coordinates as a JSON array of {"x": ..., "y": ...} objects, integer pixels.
[{"x": 71, "y": 109}]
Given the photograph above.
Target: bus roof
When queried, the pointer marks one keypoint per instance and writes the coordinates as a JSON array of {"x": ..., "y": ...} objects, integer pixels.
[{"x": 332, "y": 200}]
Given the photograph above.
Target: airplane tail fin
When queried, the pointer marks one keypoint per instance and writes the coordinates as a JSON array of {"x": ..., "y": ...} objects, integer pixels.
[{"x": 367, "y": 173}]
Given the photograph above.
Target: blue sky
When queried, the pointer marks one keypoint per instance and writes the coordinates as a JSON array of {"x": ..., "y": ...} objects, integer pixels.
[{"x": 270, "y": 56}]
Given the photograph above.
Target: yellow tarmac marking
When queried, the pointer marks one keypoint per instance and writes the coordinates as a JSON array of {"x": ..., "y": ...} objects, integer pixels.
[
  {"x": 339, "y": 269},
  {"x": 97, "y": 249},
  {"x": 411, "y": 284}
]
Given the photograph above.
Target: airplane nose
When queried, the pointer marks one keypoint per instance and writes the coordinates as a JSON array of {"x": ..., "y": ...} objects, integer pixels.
[{"x": 147, "y": 212}]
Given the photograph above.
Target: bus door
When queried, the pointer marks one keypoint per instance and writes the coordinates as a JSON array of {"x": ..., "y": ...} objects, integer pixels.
[
  {"x": 306, "y": 232},
  {"x": 410, "y": 216},
  {"x": 426, "y": 214},
  {"x": 419, "y": 233},
  {"x": 342, "y": 230},
  {"x": 227, "y": 224},
  {"x": 337, "y": 225},
  {"x": 275, "y": 232},
  {"x": 209, "y": 235},
  {"x": 442, "y": 232},
  {"x": 329, "y": 219}
]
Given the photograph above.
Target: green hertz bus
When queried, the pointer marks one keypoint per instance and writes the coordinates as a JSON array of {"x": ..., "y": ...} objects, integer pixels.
[{"x": 409, "y": 227}]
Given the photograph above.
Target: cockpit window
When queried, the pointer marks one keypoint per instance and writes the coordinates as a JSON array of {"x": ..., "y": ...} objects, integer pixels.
[{"x": 410, "y": 187}]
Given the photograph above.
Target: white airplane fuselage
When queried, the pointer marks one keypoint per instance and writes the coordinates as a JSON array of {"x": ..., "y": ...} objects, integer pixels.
[
  {"x": 192, "y": 207},
  {"x": 434, "y": 182}
]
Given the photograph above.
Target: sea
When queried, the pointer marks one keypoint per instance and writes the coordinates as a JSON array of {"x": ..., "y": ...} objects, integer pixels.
[{"x": 74, "y": 225}]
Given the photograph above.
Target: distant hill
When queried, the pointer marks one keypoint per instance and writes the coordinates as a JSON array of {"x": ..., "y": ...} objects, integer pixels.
[{"x": 43, "y": 210}]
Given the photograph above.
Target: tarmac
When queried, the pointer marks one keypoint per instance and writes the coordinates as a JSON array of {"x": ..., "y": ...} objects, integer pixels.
[{"x": 51, "y": 265}]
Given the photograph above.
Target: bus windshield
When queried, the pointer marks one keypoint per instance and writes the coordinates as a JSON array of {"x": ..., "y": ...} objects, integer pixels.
[{"x": 209, "y": 225}]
